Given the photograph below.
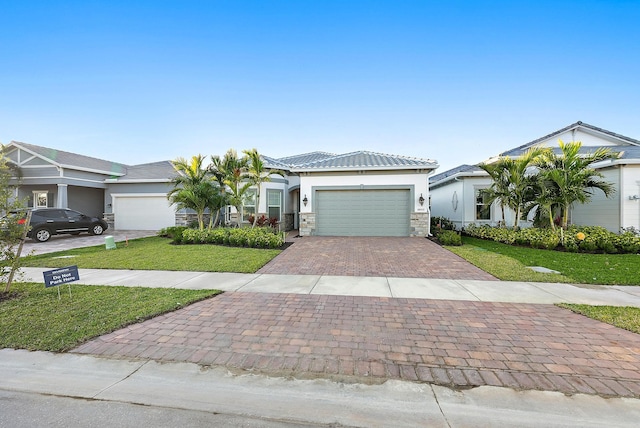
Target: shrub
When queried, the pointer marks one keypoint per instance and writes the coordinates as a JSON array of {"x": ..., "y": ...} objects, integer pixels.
[
  {"x": 441, "y": 223},
  {"x": 258, "y": 237},
  {"x": 449, "y": 237},
  {"x": 264, "y": 221},
  {"x": 574, "y": 239},
  {"x": 173, "y": 232}
]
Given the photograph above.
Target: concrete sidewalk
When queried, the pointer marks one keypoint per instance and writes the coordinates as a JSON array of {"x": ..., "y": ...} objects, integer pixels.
[
  {"x": 317, "y": 402},
  {"x": 419, "y": 288}
]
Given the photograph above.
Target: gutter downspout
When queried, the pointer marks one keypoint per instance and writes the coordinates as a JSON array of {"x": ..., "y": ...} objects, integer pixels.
[{"x": 621, "y": 198}]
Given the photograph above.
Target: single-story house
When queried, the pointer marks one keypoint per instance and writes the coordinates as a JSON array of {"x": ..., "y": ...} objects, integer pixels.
[
  {"x": 354, "y": 194},
  {"x": 455, "y": 193}
]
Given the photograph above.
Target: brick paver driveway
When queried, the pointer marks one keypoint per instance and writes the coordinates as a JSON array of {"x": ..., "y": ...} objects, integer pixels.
[
  {"x": 372, "y": 256},
  {"x": 452, "y": 343}
]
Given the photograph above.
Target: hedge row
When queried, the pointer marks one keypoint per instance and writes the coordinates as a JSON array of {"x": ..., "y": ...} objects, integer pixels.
[
  {"x": 575, "y": 239},
  {"x": 258, "y": 237}
]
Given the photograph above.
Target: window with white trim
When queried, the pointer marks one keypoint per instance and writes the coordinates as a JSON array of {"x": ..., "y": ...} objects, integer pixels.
[
  {"x": 40, "y": 199},
  {"x": 483, "y": 208},
  {"x": 274, "y": 204},
  {"x": 249, "y": 205}
]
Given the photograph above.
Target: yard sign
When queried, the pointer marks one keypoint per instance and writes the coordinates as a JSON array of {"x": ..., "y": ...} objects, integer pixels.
[{"x": 56, "y": 277}]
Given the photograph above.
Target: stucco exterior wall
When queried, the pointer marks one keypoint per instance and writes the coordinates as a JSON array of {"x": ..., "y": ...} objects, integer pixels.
[
  {"x": 600, "y": 211},
  {"x": 630, "y": 196},
  {"x": 441, "y": 202}
]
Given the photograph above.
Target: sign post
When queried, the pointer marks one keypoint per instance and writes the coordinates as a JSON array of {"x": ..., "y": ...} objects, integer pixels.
[{"x": 56, "y": 277}]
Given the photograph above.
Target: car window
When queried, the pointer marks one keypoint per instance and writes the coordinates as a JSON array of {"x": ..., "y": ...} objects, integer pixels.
[
  {"x": 74, "y": 215},
  {"x": 52, "y": 214}
]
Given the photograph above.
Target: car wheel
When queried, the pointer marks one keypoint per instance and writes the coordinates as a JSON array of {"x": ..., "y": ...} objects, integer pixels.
[
  {"x": 42, "y": 235},
  {"x": 96, "y": 229}
]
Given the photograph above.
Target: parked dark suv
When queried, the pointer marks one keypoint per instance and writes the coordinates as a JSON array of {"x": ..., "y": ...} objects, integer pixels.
[{"x": 55, "y": 221}]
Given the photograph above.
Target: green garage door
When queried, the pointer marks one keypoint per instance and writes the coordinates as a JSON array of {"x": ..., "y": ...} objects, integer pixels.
[{"x": 362, "y": 212}]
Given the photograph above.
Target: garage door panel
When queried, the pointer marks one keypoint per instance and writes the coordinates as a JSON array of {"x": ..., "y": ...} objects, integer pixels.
[
  {"x": 143, "y": 213},
  {"x": 362, "y": 212}
]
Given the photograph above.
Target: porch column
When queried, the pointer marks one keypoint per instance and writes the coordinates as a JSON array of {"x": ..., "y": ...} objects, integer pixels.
[{"x": 62, "y": 196}]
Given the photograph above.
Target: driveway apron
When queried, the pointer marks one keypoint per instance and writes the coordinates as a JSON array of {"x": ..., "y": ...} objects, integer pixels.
[
  {"x": 370, "y": 339},
  {"x": 372, "y": 256}
]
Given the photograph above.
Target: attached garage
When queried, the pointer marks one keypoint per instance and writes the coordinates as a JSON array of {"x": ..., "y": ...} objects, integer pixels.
[
  {"x": 142, "y": 212},
  {"x": 363, "y": 212}
]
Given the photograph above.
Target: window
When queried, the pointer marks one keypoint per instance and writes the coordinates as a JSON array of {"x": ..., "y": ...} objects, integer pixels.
[
  {"x": 40, "y": 199},
  {"x": 274, "y": 204},
  {"x": 249, "y": 206},
  {"x": 483, "y": 209}
]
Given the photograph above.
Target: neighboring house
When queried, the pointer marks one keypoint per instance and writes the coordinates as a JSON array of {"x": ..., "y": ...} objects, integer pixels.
[
  {"x": 354, "y": 194},
  {"x": 134, "y": 197},
  {"x": 454, "y": 193}
]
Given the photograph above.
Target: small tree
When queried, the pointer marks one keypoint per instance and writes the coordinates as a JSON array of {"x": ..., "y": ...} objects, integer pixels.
[
  {"x": 193, "y": 187},
  {"x": 569, "y": 177},
  {"x": 235, "y": 173},
  {"x": 13, "y": 225},
  {"x": 512, "y": 181},
  {"x": 257, "y": 174}
]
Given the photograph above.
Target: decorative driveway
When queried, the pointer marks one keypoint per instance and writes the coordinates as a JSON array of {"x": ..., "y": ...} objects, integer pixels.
[
  {"x": 372, "y": 256},
  {"x": 370, "y": 339}
]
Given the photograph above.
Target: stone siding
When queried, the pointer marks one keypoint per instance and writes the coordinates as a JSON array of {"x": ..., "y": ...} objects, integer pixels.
[
  {"x": 110, "y": 218},
  {"x": 184, "y": 219},
  {"x": 307, "y": 224},
  {"x": 419, "y": 224},
  {"x": 288, "y": 221}
]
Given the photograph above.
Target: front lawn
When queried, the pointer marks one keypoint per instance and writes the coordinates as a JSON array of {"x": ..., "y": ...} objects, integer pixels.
[
  {"x": 508, "y": 263},
  {"x": 157, "y": 253},
  {"x": 35, "y": 319},
  {"x": 626, "y": 317}
]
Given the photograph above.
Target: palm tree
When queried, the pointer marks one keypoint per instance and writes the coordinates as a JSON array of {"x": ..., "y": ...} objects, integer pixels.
[
  {"x": 257, "y": 174},
  {"x": 218, "y": 171},
  {"x": 512, "y": 181},
  {"x": 571, "y": 176},
  {"x": 499, "y": 190},
  {"x": 234, "y": 174},
  {"x": 193, "y": 188}
]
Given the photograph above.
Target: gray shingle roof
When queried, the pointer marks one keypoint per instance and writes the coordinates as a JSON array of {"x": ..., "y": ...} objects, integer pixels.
[
  {"x": 450, "y": 173},
  {"x": 73, "y": 160},
  {"x": 275, "y": 163},
  {"x": 163, "y": 170},
  {"x": 521, "y": 149},
  {"x": 366, "y": 160},
  {"x": 305, "y": 158}
]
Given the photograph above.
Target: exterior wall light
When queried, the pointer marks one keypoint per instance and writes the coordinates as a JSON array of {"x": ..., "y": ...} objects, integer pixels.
[
  {"x": 421, "y": 199},
  {"x": 305, "y": 201}
]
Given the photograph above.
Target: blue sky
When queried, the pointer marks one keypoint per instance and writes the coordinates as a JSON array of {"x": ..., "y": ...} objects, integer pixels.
[{"x": 455, "y": 81}]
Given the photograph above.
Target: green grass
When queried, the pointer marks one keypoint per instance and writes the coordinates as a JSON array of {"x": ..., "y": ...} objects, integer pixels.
[
  {"x": 157, "y": 253},
  {"x": 38, "y": 320},
  {"x": 509, "y": 263},
  {"x": 626, "y": 317}
]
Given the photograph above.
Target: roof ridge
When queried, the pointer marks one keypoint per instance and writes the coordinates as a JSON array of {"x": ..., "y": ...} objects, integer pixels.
[
  {"x": 569, "y": 127},
  {"x": 32, "y": 146},
  {"x": 305, "y": 154}
]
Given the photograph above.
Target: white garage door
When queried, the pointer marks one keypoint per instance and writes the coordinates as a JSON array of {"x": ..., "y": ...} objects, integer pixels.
[
  {"x": 362, "y": 212},
  {"x": 143, "y": 212}
]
